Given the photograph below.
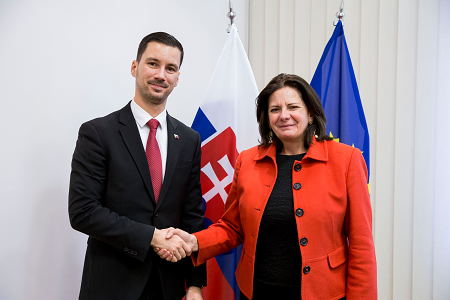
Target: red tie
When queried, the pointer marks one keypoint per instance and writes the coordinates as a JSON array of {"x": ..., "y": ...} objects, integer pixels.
[{"x": 154, "y": 158}]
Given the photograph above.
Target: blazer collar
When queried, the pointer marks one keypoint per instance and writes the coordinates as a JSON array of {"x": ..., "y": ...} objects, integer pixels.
[
  {"x": 173, "y": 148},
  {"x": 317, "y": 151},
  {"x": 132, "y": 140},
  {"x": 125, "y": 114},
  {"x": 171, "y": 120},
  {"x": 270, "y": 151}
]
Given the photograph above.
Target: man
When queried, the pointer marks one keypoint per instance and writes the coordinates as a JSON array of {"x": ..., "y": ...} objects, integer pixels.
[{"x": 135, "y": 173}]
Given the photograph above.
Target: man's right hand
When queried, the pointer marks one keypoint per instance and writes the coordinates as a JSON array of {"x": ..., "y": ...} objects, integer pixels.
[{"x": 174, "y": 245}]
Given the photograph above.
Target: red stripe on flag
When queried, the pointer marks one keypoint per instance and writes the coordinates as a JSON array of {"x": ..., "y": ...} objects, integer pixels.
[{"x": 221, "y": 289}]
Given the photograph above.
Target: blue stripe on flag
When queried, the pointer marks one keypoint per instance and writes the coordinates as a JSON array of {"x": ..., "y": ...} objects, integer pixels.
[
  {"x": 202, "y": 125},
  {"x": 228, "y": 262}
]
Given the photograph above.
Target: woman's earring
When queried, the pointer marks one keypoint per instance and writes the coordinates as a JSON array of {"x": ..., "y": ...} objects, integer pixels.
[
  {"x": 270, "y": 136},
  {"x": 310, "y": 122}
]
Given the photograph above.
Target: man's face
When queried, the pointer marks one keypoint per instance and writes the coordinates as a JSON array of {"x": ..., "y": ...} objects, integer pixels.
[{"x": 156, "y": 73}]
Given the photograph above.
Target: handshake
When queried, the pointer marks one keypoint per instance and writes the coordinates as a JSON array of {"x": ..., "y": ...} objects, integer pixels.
[{"x": 173, "y": 244}]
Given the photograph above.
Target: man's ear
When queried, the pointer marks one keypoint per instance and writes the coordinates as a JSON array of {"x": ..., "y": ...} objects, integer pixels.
[
  {"x": 178, "y": 78},
  {"x": 134, "y": 66}
]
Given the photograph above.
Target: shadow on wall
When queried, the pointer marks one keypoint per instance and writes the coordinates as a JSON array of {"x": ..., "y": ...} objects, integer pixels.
[{"x": 56, "y": 252}]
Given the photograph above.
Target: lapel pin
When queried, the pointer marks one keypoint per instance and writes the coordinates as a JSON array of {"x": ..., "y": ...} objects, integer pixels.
[{"x": 176, "y": 136}]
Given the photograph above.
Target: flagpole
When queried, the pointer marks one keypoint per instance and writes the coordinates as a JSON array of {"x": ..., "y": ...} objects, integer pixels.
[
  {"x": 231, "y": 14},
  {"x": 340, "y": 14}
]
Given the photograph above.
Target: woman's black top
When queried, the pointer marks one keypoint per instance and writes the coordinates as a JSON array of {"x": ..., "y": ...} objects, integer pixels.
[{"x": 278, "y": 261}]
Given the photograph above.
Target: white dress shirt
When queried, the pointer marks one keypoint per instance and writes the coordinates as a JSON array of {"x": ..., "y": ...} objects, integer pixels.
[{"x": 142, "y": 117}]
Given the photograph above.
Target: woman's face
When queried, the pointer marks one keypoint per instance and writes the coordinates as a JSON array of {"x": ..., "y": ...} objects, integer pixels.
[{"x": 288, "y": 115}]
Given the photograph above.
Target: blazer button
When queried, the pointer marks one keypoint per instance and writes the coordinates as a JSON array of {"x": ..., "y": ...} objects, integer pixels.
[
  {"x": 297, "y": 186},
  {"x": 297, "y": 167},
  {"x": 306, "y": 269},
  {"x": 299, "y": 212},
  {"x": 156, "y": 213},
  {"x": 304, "y": 241},
  {"x": 125, "y": 249}
]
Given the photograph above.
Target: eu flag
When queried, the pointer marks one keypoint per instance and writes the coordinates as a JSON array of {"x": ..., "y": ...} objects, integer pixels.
[{"x": 335, "y": 83}]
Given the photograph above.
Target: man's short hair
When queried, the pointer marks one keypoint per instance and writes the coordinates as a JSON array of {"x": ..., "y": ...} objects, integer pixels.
[{"x": 159, "y": 37}]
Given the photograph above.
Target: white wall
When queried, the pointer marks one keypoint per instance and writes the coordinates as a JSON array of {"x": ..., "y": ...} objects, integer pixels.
[{"x": 63, "y": 63}]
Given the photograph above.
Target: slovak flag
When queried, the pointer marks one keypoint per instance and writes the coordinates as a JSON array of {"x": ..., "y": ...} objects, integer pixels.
[{"x": 226, "y": 121}]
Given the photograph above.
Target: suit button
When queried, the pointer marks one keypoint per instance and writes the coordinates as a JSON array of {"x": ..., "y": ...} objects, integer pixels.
[
  {"x": 297, "y": 186},
  {"x": 156, "y": 213},
  {"x": 297, "y": 167},
  {"x": 299, "y": 212},
  {"x": 125, "y": 249},
  {"x": 304, "y": 241},
  {"x": 306, "y": 269}
]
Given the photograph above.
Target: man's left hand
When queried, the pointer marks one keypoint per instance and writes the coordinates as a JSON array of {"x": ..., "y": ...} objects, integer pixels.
[{"x": 194, "y": 293}]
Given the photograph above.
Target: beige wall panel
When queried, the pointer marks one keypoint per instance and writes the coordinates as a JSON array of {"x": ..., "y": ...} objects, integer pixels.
[
  {"x": 368, "y": 81},
  {"x": 424, "y": 162},
  {"x": 287, "y": 37},
  {"x": 404, "y": 149},
  {"x": 331, "y": 7},
  {"x": 387, "y": 72},
  {"x": 319, "y": 36},
  {"x": 271, "y": 40},
  {"x": 256, "y": 38},
  {"x": 441, "y": 242},
  {"x": 302, "y": 25}
]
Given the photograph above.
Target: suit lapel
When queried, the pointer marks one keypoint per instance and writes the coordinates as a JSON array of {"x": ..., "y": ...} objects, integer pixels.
[
  {"x": 173, "y": 147},
  {"x": 132, "y": 140}
]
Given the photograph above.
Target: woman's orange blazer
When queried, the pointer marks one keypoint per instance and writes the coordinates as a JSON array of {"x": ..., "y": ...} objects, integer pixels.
[{"x": 333, "y": 213}]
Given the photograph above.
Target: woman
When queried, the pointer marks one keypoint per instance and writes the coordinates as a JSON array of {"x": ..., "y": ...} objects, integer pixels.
[{"x": 300, "y": 204}]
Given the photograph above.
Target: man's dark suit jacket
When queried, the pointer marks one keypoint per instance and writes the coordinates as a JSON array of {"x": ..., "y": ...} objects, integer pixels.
[{"x": 111, "y": 200}]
